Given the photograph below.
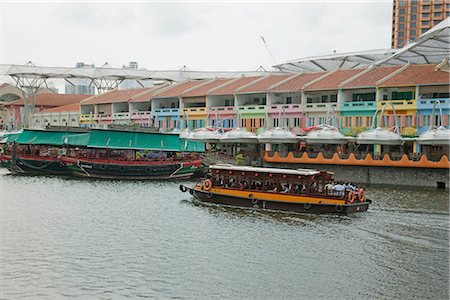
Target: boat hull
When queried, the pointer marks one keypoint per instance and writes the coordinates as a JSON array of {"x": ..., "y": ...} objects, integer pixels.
[
  {"x": 303, "y": 207},
  {"x": 37, "y": 166},
  {"x": 129, "y": 171}
]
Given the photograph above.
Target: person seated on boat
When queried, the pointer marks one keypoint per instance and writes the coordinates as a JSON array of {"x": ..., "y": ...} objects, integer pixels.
[
  {"x": 244, "y": 185},
  {"x": 349, "y": 187},
  {"x": 329, "y": 188},
  {"x": 338, "y": 189},
  {"x": 286, "y": 189}
]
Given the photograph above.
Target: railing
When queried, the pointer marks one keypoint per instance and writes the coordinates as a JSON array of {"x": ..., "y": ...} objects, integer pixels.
[
  {"x": 358, "y": 105},
  {"x": 361, "y": 159},
  {"x": 428, "y": 103},
  {"x": 252, "y": 109},
  {"x": 222, "y": 110},
  {"x": 195, "y": 110},
  {"x": 166, "y": 111},
  {"x": 121, "y": 116},
  {"x": 398, "y": 104},
  {"x": 140, "y": 114},
  {"x": 295, "y": 107},
  {"x": 102, "y": 116},
  {"x": 319, "y": 106},
  {"x": 87, "y": 117}
]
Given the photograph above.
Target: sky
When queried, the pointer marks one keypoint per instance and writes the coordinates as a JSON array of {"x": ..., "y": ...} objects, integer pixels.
[{"x": 198, "y": 35}]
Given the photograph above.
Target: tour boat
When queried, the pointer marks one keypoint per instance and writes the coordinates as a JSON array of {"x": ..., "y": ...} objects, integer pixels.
[{"x": 300, "y": 190}]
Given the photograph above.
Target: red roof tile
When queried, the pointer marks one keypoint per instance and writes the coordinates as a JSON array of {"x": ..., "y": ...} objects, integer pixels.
[
  {"x": 333, "y": 81},
  {"x": 115, "y": 96},
  {"x": 370, "y": 78},
  {"x": 297, "y": 83},
  {"x": 264, "y": 84},
  {"x": 177, "y": 90},
  {"x": 64, "y": 108},
  {"x": 202, "y": 90},
  {"x": 417, "y": 75},
  {"x": 148, "y": 94},
  {"x": 230, "y": 88},
  {"x": 53, "y": 100}
]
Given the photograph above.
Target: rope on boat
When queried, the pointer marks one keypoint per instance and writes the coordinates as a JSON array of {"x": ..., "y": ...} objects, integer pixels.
[
  {"x": 82, "y": 169},
  {"x": 177, "y": 170},
  {"x": 35, "y": 167}
]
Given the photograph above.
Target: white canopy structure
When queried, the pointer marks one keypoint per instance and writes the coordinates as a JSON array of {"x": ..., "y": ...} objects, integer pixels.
[
  {"x": 432, "y": 47},
  {"x": 335, "y": 61}
]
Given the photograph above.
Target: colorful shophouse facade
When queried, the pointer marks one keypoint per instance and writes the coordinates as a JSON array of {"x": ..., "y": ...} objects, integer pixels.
[{"x": 294, "y": 101}]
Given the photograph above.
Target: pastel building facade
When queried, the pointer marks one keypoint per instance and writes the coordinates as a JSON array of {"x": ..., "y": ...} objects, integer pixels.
[{"x": 295, "y": 101}]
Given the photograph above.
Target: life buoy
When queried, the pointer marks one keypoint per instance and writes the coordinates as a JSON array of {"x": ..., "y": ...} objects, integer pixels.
[
  {"x": 191, "y": 191},
  {"x": 183, "y": 188},
  {"x": 350, "y": 197},
  {"x": 207, "y": 185},
  {"x": 361, "y": 195},
  {"x": 307, "y": 206}
]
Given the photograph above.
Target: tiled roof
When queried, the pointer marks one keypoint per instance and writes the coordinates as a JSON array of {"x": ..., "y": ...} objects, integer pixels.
[
  {"x": 264, "y": 84},
  {"x": 53, "y": 100},
  {"x": 202, "y": 90},
  {"x": 297, "y": 82},
  {"x": 115, "y": 96},
  {"x": 230, "y": 88},
  {"x": 333, "y": 81},
  {"x": 370, "y": 78},
  {"x": 417, "y": 75},
  {"x": 177, "y": 90},
  {"x": 64, "y": 108},
  {"x": 148, "y": 94}
]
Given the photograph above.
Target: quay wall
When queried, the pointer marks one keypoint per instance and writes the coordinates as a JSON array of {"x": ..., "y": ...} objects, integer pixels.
[{"x": 379, "y": 175}]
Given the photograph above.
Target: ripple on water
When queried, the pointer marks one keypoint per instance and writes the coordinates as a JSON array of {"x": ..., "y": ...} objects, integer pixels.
[{"x": 110, "y": 239}]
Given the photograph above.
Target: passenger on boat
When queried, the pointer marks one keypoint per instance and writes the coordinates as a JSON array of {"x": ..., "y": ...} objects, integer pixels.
[{"x": 338, "y": 190}]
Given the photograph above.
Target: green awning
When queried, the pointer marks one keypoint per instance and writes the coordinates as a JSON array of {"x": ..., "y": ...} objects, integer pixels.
[
  {"x": 140, "y": 141},
  {"x": 111, "y": 139},
  {"x": 9, "y": 138}
]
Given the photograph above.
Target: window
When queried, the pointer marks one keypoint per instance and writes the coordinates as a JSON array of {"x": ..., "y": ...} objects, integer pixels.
[
  {"x": 401, "y": 19},
  {"x": 400, "y": 42},
  {"x": 412, "y": 32},
  {"x": 401, "y": 26},
  {"x": 369, "y": 121},
  {"x": 310, "y": 122},
  {"x": 413, "y": 17},
  {"x": 358, "y": 121},
  {"x": 275, "y": 122},
  {"x": 447, "y": 13},
  {"x": 425, "y": 7},
  {"x": 426, "y": 120},
  {"x": 437, "y": 14},
  {"x": 408, "y": 121},
  {"x": 324, "y": 98},
  {"x": 425, "y": 23},
  {"x": 348, "y": 122},
  {"x": 424, "y": 30},
  {"x": 321, "y": 120},
  {"x": 438, "y": 6},
  {"x": 413, "y": 25},
  {"x": 413, "y": 9},
  {"x": 401, "y": 33},
  {"x": 288, "y": 100},
  {"x": 402, "y": 11},
  {"x": 402, "y": 3},
  {"x": 425, "y": 15},
  {"x": 333, "y": 97},
  {"x": 296, "y": 122}
]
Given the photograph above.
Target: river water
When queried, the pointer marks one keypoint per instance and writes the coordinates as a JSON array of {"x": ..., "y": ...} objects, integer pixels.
[{"x": 69, "y": 238}]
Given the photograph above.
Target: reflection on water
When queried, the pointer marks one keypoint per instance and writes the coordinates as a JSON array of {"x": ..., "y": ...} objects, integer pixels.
[{"x": 61, "y": 237}]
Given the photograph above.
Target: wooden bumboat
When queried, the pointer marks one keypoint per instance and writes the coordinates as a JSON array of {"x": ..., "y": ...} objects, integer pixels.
[
  {"x": 301, "y": 190},
  {"x": 131, "y": 169}
]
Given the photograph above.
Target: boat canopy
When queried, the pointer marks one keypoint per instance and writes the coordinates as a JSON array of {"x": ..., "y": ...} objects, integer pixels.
[
  {"x": 325, "y": 134},
  {"x": 435, "y": 136},
  {"x": 277, "y": 136},
  {"x": 239, "y": 135},
  {"x": 298, "y": 172},
  {"x": 112, "y": 139}
]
